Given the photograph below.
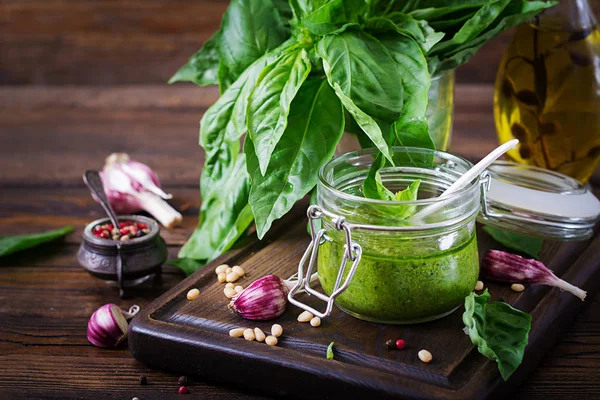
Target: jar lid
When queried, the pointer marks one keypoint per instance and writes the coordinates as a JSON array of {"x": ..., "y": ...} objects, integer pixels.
[{"x": 537, "y": 202}]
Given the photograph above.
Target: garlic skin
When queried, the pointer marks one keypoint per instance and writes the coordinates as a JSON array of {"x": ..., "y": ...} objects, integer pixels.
[
  {"x": 108, "y": 325},
  {"x": 131, "y": 186},
  {"x": 263, "y": 299}
]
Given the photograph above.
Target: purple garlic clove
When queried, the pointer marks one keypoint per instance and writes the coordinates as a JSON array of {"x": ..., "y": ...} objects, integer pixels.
[
  {"x": 131, "y": 186},
  {"x": 263, "y": 299},
  {"x": 506, "y": 267}
]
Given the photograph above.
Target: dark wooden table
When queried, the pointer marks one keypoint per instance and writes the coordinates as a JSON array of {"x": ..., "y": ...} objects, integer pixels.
[{"x": 49, "y": 136}]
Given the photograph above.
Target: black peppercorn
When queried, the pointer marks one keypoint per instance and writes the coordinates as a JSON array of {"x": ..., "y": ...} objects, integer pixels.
[
  {"x": 183, "y": 380},
  {"x": 143, "y": 380},
  {"x": 390, "y": 345}
]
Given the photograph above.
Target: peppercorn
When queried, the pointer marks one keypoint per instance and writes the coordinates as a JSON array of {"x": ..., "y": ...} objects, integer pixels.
[
  {"x": 183, "y": 380},
  {"x": 126, "y": 229},
  {"x": 183, "y": 390},
  {"x": 143, "y": 380},
  {"x": 390, "y": 345}
]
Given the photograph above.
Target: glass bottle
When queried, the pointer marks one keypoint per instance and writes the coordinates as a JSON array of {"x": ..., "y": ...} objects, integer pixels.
[{"x": 547, "y": 91}]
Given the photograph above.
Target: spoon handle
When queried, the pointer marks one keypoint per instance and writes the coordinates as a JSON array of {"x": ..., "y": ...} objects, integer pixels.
[
  {"x": 94, "y": 183},
  {"x": 466, "y": 178},
  {"x": 480, "y": 167}
]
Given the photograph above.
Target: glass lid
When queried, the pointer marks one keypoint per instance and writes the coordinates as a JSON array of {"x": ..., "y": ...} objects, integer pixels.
[{"x": 537, "y": 202}]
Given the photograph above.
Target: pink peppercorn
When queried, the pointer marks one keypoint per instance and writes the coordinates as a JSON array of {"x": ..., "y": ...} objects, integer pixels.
[
  {"x": 400, "y": 344},
  {"x": 183, "y": 390}
]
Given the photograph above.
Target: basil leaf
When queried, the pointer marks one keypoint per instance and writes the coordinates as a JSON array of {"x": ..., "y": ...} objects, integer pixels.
[
  {"x": 269, "y": 102},
  {"x": 301, "y": 8},
  {"x": 515, "y": 13},
  {"x": 285, "y": 11},
  {"x": 13, "y": 244},
  {"x": 366, "y": 123},
  {"x": 364, "y": 71},
  {"x": 222, "y": 216},
  {"x": 187, "y": 265},
  {"x": 499, "y": 331},
  {"x": 371, "y": 189},
  {"x": 329, "y": 354},
  {"x": 401, "y": 23},
  {"x": 366, "y": 80},
  {"x": 316, "y": 124},
  {"x": 202, "y": 68},
  {"x": 224, "y": 78},
  {"x": 224, "y": 183},
  {"x": 408, "y": 194},
  {"x": 525, "y": 244},
  {"x": 249, "y": 30},
  {"x": 411, "y": 128},
  {"x": 473, "y": 27},
  {"x": 333, "y": 15}
]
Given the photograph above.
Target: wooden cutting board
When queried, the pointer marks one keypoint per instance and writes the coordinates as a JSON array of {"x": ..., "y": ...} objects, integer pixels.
[{"x": 191, "y": 337}]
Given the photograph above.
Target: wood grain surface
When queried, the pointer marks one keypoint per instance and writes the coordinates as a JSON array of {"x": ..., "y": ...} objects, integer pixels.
[
  {"x": 191, "y": 337},
  {"x": 49, "y": 136},
  {"x": 110, "y": 42}
]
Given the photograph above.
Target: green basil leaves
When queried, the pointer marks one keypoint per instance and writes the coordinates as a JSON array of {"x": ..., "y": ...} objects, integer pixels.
[
  {"x": 290, "y": 73},
  {"x": 499, "y": 331}
]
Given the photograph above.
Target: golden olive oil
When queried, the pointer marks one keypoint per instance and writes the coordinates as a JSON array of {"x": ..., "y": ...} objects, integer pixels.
[{"x": 547, "y": 95}]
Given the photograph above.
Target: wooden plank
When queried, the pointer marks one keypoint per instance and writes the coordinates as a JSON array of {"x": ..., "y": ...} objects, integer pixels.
[
  {"x": 45, "y": 133},
  {"x": 363, "y": 367},
  {"x": 46, "y": 300}
]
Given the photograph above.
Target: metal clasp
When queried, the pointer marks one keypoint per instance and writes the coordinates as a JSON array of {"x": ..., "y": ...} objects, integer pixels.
[{"x": 353, "y": 252}]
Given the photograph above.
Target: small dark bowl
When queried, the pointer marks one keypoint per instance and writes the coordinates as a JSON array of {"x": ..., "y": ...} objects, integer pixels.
[{"x": 125, "y": 263}]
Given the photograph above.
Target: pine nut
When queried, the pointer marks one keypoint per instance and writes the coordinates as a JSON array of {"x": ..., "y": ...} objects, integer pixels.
[
  {"x": 305, "y": 317},
  {"x": 239, "y": 270},
  {"x": 425, "y": 356},
  {"x": 316, "y": 321},
  {"x": 517, "y": 287},
  {"x": 232, "y": 277},
  {"x": 238, "y": 289},
  {"x": 479, "y": 285},
  {"x": 229, "y": 285},
  {"x": 221, "y": 268},
  {"x": 192, "y": 294},
  {"x": 229, "y": 292},
  {"x": 228, "y": 270},
  {"x": 259, "y": 335},
  {"x": 236, "y": 332},
  {"x": 221, "y": 277},
  {"x": 271, "y": 340},
  {"x": 276, "y": 330},
  {"x": 249, "y": 334}
]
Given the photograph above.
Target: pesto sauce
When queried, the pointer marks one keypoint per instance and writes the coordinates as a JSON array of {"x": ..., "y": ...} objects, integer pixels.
[{"x": 402, "y": 290}]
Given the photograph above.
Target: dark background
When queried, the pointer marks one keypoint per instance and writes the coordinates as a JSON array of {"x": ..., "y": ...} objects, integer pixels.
[{"x": 123, "y": 42}]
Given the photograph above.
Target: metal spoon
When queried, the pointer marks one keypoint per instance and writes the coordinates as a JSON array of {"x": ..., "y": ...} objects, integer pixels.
[{"x": 94, "y": 183}]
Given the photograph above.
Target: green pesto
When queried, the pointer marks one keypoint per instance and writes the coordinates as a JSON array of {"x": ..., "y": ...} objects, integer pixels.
[{"x": 402, "y": 290}]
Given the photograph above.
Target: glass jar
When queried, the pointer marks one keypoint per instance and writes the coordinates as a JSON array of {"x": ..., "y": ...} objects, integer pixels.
[
  {"x": 415, "y": 261},
  {"x": 409, "y": 272},
  {"x": 440, "y": 111}
]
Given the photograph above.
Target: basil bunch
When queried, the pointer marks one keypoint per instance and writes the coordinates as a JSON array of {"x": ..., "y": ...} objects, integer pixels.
[{"x": 290, "y": 74}]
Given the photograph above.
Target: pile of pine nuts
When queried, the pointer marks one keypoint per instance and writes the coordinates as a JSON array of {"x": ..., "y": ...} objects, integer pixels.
[
  {"x": 230, "y": 275},
  {"x": 258, "y": 335}
]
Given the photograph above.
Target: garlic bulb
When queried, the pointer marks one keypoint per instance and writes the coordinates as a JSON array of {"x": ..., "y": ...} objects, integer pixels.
[
  {"x": 263, "y": 299},
  {"x": 107, "y": 326},
  {"x": 131, "y": 186}
]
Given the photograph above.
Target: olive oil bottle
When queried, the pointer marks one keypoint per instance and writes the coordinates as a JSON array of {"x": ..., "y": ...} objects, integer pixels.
[{"x": 547, "y": 91}]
